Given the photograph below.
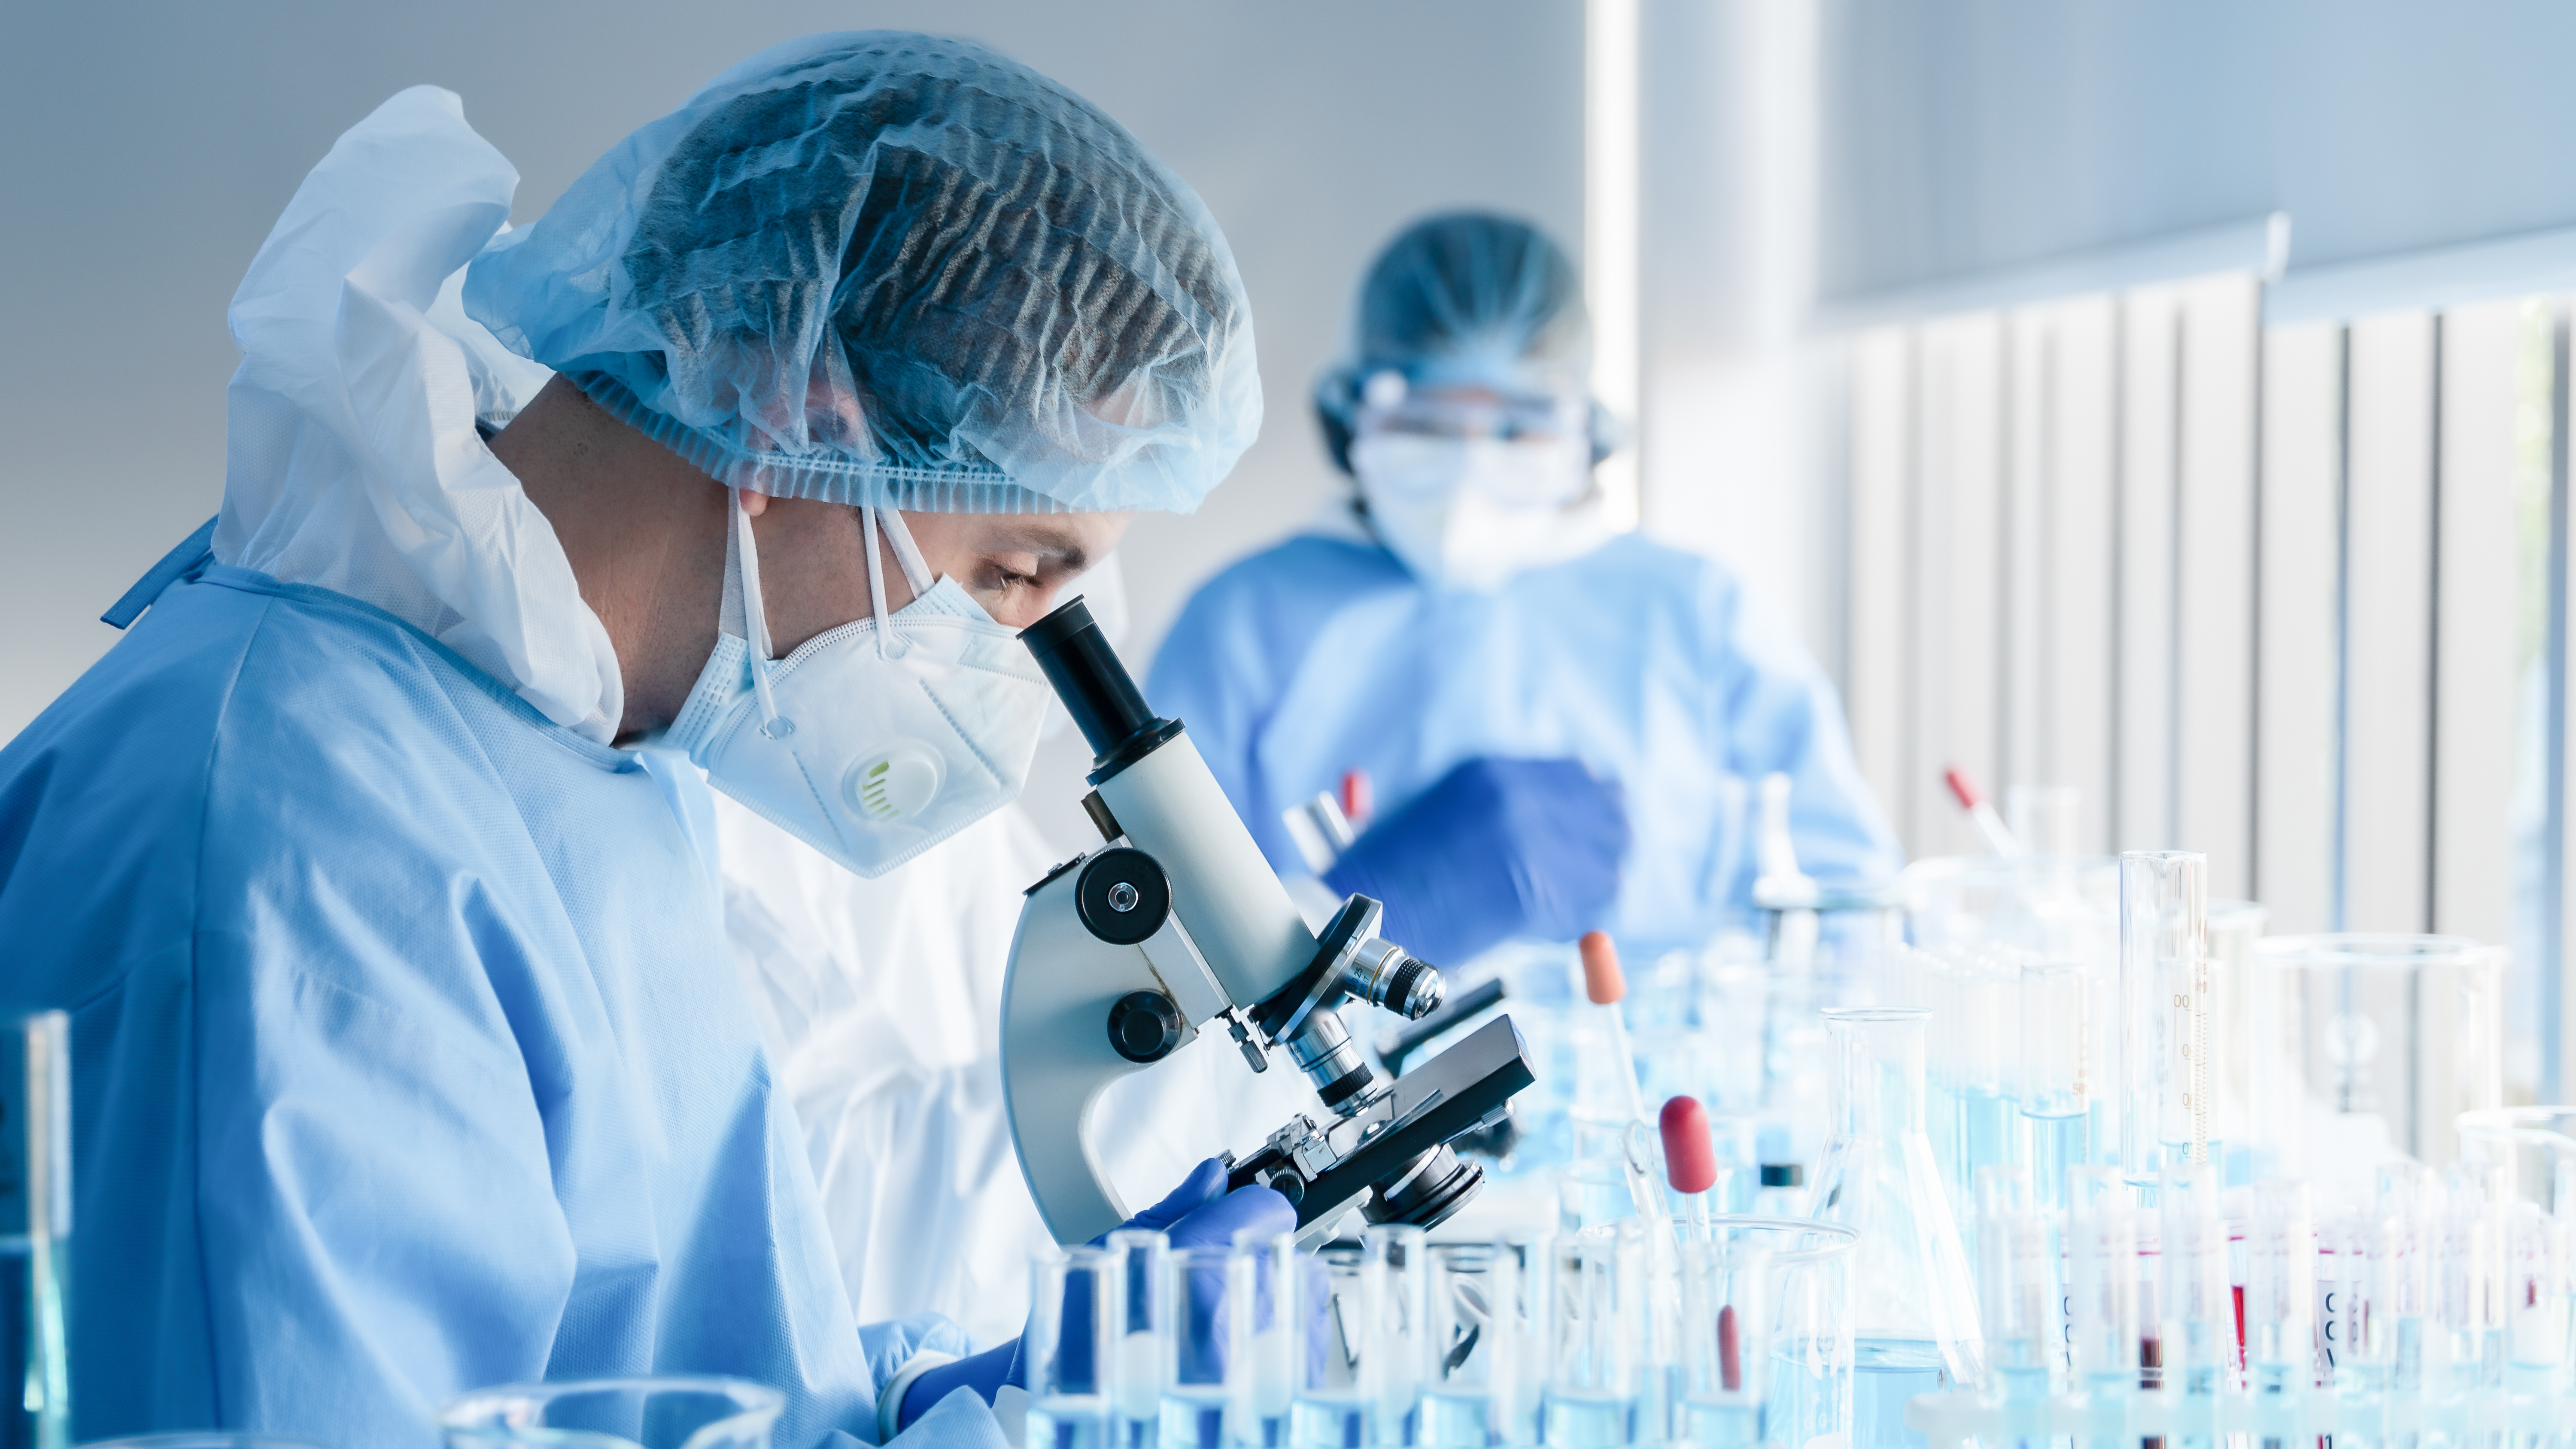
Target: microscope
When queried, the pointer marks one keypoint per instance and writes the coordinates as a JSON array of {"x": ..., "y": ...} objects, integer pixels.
[{"x": 1176, "y": 925}]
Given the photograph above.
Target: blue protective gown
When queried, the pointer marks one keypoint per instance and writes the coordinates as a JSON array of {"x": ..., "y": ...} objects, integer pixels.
[
  {"x": 1649, "y": 664},
  {"x": 408, "y": 1054}
]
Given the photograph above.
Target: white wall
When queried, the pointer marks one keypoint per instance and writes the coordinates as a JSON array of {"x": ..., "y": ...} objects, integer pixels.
[
  {"x": 1964, "y": 135},
  {"x": 150, "y": 147}
]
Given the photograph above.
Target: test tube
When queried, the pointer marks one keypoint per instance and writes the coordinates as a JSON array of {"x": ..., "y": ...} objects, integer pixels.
[
  {"x": 1399, "y": 1273},
  {"x": 1726, "y": 1342},
  {"x": 2535, "y": 1312},
  {"x": 1198, "y": 1348},
  {"x": 1142, "y": 1331},
  {"x": 2281, "y": 1291},
  {"x": 1469, "y": 1358},
  {"x": 2102, "y": 1283},
  {"x": 1074, "y": 1311},
  {"x": 2016, "y": 1294},
  {"x": 2469, "y": 1337},
  {"x": 2197, "y": 1304},
  {"x": 1600, "y": 1335},
  {"x": 2406, "y": 1204},
  {"x": 2166, "y": 1008},
  {"x": 2059, "y": 1078},
  {"x": 1261, "y": 1334},
  {"x": 1988, "y": 1028},
  {"x": 2368, "y": 1260}
]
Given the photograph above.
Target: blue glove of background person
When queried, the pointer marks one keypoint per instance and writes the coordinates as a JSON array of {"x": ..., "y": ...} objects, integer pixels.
[
  {"x": 1198, "y": 1213},
  {"x": 1497, "y": 848}
]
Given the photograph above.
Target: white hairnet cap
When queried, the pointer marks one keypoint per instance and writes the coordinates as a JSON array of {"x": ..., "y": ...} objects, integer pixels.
[{"x": 892, "y": 269}]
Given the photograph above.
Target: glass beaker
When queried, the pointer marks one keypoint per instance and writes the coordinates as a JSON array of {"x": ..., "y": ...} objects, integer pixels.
[
  {"x": 1486, "y": 1353},
  {"x": 2534, "y": 1146},
  {"x": 1916, "y": 1325},
  {"x": 36, "y": 1224},
  {"x": 645, "y": 1413},
  {"x": 1767, "y": 1335},
  {"x": 2393, "y": 1038},
  {"x": 1076, "y": 1309}
]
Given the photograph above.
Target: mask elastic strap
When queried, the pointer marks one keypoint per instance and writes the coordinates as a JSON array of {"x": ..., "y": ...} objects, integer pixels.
[
  {"x": 755, "y": 617},
  {"x": 876, "y": 580},
  {"x": 916, "y": 570}
]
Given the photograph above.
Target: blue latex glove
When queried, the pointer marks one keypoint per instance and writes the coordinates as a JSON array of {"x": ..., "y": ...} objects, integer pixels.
[
  {"x": 1497, "y": 848},
  {"x": 1198, "y": 1213}
]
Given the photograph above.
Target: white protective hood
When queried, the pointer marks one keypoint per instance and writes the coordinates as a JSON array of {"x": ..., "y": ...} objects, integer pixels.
[{"x": 351, "y": 459}]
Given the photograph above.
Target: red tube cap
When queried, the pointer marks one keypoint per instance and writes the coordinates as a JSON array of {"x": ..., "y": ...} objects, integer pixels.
[{"x": 1690, "y": 1158}]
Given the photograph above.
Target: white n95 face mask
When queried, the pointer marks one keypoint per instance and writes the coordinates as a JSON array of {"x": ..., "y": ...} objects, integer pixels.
[
  {"x": 876, "y": 740},
  {"x": 1472, "y": 513}
]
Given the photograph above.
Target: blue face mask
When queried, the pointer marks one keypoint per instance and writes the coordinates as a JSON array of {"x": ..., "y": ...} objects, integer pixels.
[{"x": 876, "y": 740}]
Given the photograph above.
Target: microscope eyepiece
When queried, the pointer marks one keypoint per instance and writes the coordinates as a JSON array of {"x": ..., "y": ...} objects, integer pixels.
[{"x": 1096, "y": 689}]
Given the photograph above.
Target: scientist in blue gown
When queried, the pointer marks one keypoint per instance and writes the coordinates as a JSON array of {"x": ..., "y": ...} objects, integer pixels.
[
  {"x": 1565, "y": 727},
  {"x": 409, "y": 1056}
]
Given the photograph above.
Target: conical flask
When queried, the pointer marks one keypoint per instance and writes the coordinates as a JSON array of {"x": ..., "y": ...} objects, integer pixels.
[{"x": 1914, "y": 1299}]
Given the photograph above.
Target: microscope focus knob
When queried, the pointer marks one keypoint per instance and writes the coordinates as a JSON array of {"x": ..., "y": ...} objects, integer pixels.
[
  {"x": 1122, "y": 896},
  {"x": 1144, "y": 1026}
]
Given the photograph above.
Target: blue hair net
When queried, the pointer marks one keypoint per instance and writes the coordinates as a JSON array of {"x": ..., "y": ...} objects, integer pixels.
[
  {"x": 1466, "y": 298},
  {"x": 892, "y": 269}
]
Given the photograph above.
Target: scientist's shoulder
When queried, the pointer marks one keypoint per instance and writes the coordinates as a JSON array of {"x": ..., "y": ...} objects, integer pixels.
[{"x": 245, "y": 741}]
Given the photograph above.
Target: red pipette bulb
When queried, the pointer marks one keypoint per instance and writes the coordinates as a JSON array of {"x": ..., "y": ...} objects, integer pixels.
[
  {"x": 1690, "y": 1158},
  {"x": 1602, "y": 981}
]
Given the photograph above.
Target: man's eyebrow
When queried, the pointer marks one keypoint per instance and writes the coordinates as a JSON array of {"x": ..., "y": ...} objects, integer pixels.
[{"x": 1060, "y": 543}]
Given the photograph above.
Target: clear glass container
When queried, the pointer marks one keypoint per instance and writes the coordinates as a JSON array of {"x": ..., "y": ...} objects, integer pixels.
[
  {"x": 1139, "y": 1338},
  {"x": 636, "y": 1413},
  {"x": 2237, "y": 1078},
  {"x": 2018, "y": 1295},
  {"x": 1601, "y": 1336},
  {"x": 2060, "y": 1075},
  {"x": 2383, "y": 1040},
  {"x": 1198, "y": 1348},
  {"x": 1486, "y": 1354},
  {"x": 2169, "y": 1013},
  {"x": 1261, "y": 1370},
  {"x": 1358, "y": 1314},
  {"x": 1076, "y": 1312},
  {"x": 1916, "y": 1326},
  {"x": 1767, "y": 1335}
]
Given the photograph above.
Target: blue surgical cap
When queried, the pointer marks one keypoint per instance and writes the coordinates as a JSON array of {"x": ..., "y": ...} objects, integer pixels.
[
  {"x": 1465, "y": 299},
  {"x": 892, "y": 269}
]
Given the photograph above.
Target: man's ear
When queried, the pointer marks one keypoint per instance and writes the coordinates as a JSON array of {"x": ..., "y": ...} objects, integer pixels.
[{"x": 754, "y": 504}]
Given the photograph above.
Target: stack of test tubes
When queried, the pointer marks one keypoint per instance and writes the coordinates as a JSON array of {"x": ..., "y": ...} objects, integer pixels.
[
  {"x": 1729, "y": 1333},
  {"x": 2439, "y": 1302}
]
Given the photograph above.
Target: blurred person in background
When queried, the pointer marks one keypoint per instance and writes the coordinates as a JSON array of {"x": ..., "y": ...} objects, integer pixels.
[{"x": 1564, "y": 725}]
